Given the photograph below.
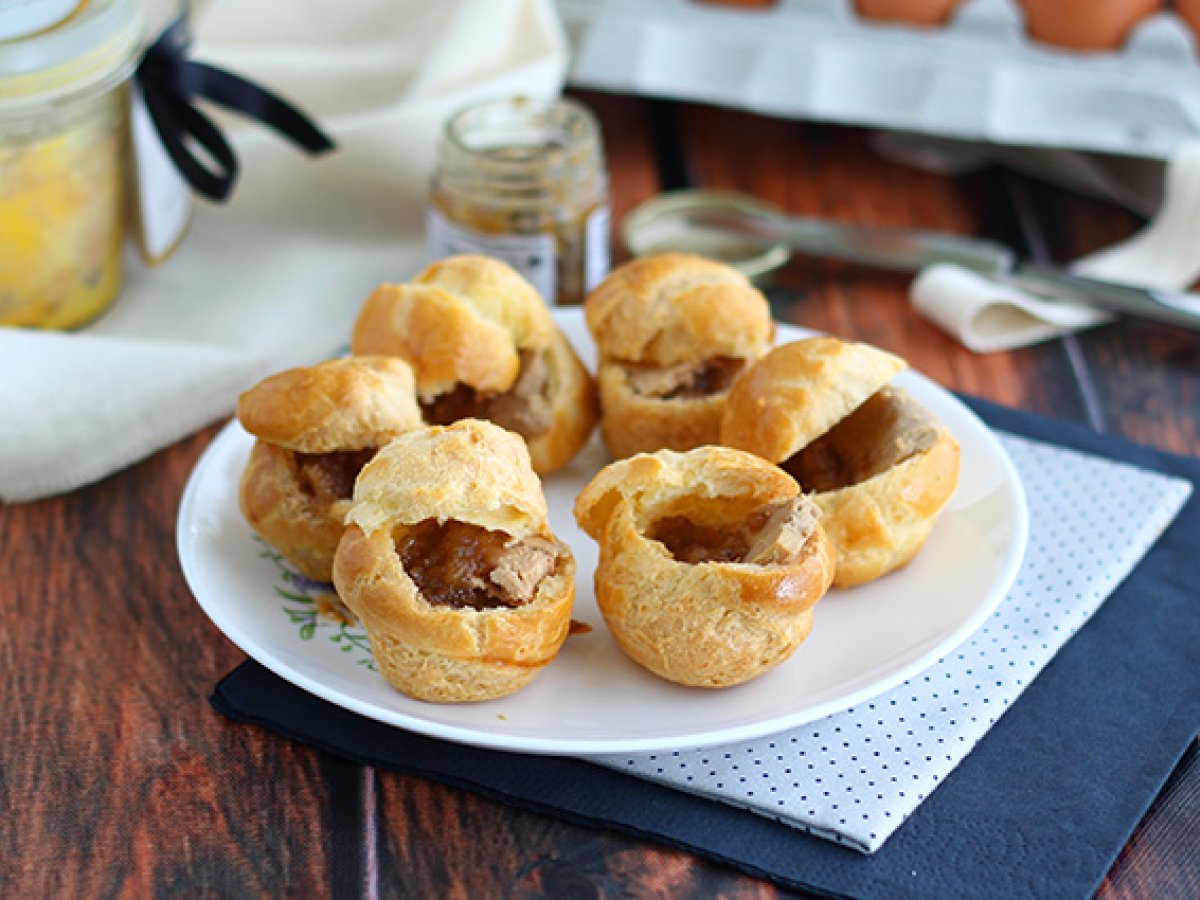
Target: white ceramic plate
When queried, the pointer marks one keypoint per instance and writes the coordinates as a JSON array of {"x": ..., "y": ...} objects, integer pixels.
[{"x": 592, "y": 699}]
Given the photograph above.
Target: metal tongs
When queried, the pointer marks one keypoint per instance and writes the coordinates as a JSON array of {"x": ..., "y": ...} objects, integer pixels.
[{"x": 910, "y": 251}]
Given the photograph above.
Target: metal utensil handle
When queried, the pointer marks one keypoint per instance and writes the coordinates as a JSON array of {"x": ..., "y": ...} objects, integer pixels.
[
  {"x": 1143, "y": 303},
  {"x": 904, "y": 250},
  {"x": 888, "y": 248}
]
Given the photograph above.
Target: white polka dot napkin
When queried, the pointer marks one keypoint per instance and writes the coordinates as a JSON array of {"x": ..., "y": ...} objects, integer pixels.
[{"x": 855, "y": 776}]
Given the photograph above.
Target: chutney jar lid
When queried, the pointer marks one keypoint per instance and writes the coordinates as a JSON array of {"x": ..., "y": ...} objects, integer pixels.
[{"x": 52, "y": 49}]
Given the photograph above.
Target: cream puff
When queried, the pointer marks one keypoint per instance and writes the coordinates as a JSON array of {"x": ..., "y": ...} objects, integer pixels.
[
  {"x": 673, "y": 332},
  {"x": 879, "y": 465},
  {"x": 483, "y": 344},
  {"x": 316, "y": 427},
  {"x": 710, "y": 562},
  {"x": 449, "y": 563}
]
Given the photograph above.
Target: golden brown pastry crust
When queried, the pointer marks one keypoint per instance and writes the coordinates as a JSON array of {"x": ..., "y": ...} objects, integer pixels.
[
  {"x": 283, "y": 513},
  {"x": 632, "y": 423},
  {"x": 880, "y": 524},
  {"x": 710, "y": 623},
  {"x": 675, "y": 308},
  {"x": 338, "y": 404},
  {"x": 468, "y": 321},
  {"x": 574, "y": 408},
  {"x": 300, "y": 417},
  {"x": 660, "y": 313},
  {"x": 800, "y": 392},
  {"x": 471, "y": 472}
]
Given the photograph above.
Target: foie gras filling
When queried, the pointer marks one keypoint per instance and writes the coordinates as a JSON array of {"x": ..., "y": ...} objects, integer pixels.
[
  {"x": 772, "y": 535},
  {"x": 460, "y": 565},
  {"x": 525, "y": 408},
  {"x": 686, "y": 380},
  {"x": 887, "y": 429},
  {"x": 327, "y": 477}
]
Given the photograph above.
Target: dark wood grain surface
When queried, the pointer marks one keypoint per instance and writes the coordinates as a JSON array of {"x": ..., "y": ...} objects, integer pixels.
[{"x": 117, "y": 779}]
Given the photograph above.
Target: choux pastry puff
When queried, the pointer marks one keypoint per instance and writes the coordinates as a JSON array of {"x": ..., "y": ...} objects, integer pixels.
[
  {"x": 483, "y": 344},
  {"x": 315, "y": 428},
  {"x": 673, "y": 331},
  {"x": 879, "y": 465},
  {"x": 710, "y": 562},
  {"x": 450, "y": 565}
]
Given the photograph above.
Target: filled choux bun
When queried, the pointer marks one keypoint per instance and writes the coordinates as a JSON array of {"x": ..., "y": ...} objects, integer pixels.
[
  {"x": 673, "y": 331},
  {"x": 449, "y": 563},
  {"x": 316, "y": 427},
  {"x": 878, "y": 463},
  {"x": 710, "y": 562},
  {"x": 483, "y": 344}
]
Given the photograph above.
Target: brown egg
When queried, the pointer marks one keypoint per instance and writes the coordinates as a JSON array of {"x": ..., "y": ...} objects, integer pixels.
[
  {"x": 1085, "y": 24},
  {"x": 914, "y": 12},
  {"x": 1189, "y": 11}
]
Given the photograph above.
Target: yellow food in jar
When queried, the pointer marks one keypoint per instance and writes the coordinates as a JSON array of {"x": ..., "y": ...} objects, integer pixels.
[{"x": 62, "y": 213}]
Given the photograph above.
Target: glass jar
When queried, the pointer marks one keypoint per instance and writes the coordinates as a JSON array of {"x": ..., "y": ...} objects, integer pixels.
[
  {"x": 64, "y": 71},
  {"x": 524, "y": 180}
]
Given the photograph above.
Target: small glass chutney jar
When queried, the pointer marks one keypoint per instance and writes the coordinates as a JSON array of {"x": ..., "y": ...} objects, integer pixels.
[
  {"x": 64, "y": 155},
  {"x": 524, "y": 181}
]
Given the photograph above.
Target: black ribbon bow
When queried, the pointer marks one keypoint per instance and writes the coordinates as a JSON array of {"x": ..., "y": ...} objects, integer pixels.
[{"x": 170, "y": 83}]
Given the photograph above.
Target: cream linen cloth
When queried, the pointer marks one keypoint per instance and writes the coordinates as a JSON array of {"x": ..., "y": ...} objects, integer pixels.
[
  {"x": 275, "y": 277},
  {"x": 985, "y": 315}
]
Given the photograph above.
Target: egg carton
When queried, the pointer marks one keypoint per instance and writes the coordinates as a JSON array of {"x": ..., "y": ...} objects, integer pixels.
[{"x": 977, "y": 78}]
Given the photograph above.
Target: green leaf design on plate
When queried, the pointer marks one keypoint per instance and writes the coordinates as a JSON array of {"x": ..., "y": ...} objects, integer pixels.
[{"x": 306, "y": 603}]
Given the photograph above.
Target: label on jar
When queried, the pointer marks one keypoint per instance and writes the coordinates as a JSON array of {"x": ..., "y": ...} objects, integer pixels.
[
  {"x": 598, "y": 258},
  {"x": 21, "y": 18},
  {"x": 164, "y": 199},
  {"x": 533, "y": 255}
]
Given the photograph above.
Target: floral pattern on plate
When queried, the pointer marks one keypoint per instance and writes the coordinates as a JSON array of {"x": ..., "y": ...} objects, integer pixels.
[{"x": 315, "y": 607}]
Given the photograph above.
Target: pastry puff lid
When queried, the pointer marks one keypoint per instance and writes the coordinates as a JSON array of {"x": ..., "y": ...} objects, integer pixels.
[
  {"x": 801, "y": 390},
  {"x": 675, "y": 308},
  {"x": 353, "y": 403},
  {"x": 471, "y": 471},
  {"x": 668, "y": 479},
  {"x": 462, "y": 320}
]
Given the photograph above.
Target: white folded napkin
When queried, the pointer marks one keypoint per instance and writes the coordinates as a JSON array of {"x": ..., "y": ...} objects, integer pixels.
[
  {"x": 274, "y": 278},
  {"x": 986, "y": 315},
  {"x": 855, "y": 776}
]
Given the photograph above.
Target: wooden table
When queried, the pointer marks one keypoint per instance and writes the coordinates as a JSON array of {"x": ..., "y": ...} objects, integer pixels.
[{"x": 116, "y": 777}]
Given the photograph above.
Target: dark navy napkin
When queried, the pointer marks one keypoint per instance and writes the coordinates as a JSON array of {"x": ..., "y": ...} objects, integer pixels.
[{"x": 1041, "y": 807}]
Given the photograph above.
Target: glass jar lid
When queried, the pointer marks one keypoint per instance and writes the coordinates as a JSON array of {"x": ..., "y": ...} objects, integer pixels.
[
  {"x": 53, "y": 48},
  {"x": 522, "y": 144},
  {"x": 665, "y": 224}
]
